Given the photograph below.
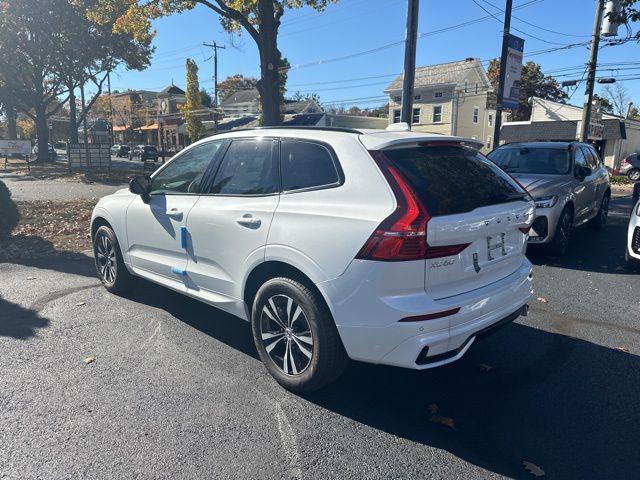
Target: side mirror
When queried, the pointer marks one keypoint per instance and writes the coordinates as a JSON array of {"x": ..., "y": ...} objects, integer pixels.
[
  {"x": 140, "y": 185},
  {"x": 582, "y": 172}
]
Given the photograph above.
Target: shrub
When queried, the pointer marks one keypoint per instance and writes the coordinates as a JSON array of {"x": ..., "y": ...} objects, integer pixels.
[
  {"x": 620, "y": 180},
  {"x": 9, "y": 215}
]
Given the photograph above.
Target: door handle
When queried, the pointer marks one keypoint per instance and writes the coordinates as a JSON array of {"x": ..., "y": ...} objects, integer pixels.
[
  {"x": 174, "y": 213},
  {"x": 248, "y": 220}
]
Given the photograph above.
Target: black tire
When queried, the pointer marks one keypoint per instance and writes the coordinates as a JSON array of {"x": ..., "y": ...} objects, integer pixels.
[
  {"x": 633, "y": 174},
  {"x": 632, "y": 263},
  {"x": 599, "y": 222},
  {"x": 110, "y": 266},
  {"x": 283, "y": 354},
  {"x": 562, "y": 237}
]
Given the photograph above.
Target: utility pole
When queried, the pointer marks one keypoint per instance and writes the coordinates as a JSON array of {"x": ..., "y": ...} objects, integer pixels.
[
  {"x": 591, "y": 78},
  {"x": 408, "y": 83},
  {"x": 215, "y": 47},
  {"x": 503, "y": 73}
]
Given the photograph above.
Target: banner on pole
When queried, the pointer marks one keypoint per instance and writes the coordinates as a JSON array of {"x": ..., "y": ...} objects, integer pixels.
[{"x": 511, "y": 94}]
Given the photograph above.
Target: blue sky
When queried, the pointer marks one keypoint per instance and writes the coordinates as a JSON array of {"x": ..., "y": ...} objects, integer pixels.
[{"x": 311, "y": 40}]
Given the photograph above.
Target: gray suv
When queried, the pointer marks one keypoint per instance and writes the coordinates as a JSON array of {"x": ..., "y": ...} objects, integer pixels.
[{"x": 568, "y": 182}]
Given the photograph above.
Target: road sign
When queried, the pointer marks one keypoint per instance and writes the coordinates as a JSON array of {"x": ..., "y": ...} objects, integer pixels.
[
  {"x": 15, "y": 147},
  {"x": 511, "y": 94}
]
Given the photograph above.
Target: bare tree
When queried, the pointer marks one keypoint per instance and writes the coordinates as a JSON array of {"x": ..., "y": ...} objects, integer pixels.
[{"x": 618, "y": 97}]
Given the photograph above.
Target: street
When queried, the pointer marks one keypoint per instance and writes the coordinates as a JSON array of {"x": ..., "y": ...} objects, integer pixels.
[{"x": 176, "y": 389}]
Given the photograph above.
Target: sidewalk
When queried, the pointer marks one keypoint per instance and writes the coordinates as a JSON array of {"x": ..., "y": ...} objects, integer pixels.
[{"x": 24, "y": 187}]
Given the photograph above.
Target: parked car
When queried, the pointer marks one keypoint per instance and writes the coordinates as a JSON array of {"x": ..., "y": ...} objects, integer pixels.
[
  {"x": 333, "y": 243},
  {"x": 52, "y": 152},
  {"x": 630, "y": 167},
  {"x": 135, "y": 151},
  {"x": 632, "y": 252},
  {"x": 120, "y": 151},
  {"x": 149, "y": 152},
  {"x": 568, "y": 182}
]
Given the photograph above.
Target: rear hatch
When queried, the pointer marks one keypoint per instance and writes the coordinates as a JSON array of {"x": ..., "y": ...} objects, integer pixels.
[{"x": 478, "y": 216}]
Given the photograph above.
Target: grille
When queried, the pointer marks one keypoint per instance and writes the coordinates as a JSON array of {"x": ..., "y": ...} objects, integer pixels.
[{"x": 635, "y": 241}]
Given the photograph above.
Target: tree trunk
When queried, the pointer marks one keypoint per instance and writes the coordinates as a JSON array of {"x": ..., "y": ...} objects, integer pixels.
[
  {"x": 42, "y": 131},
  {"x": 269, "y": 83},
  {"x": 73, "y": 117},
  {"x": 12, "y": 120}
]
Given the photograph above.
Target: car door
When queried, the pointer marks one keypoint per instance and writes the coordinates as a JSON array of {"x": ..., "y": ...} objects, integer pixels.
[
  {"x": 229, "y": 224},
  {"x": 582, "y": 187},
  {"x": 156, "y": 226},
  {"x": 600, "y": 179}
]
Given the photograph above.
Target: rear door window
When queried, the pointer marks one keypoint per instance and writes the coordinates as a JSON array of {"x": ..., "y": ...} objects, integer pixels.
[
  {"x": 592, "y": 158},
  {"x": 451, "y": 179},
  {"x": 249, "y": 167},
  {"x": 307, "y": 165}
]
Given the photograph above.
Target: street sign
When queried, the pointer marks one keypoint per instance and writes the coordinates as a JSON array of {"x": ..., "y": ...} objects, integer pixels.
[
  {"x": 15, "y": 147},
  {"x": 513, "y": 73}
]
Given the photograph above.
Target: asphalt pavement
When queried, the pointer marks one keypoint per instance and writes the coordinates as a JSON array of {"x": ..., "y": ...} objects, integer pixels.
[{"x": 177, "y": 391}]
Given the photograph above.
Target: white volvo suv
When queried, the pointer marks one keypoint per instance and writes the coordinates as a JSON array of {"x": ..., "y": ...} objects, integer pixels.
[{"x": 387, "y": 247}]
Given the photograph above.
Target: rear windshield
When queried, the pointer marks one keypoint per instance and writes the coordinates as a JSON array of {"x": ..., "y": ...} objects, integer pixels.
[
  {"x": 454, "y": 179},
  {"x": 541, "y": 161}
]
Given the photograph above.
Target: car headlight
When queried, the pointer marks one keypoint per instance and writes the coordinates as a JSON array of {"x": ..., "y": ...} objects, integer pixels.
[{"x": 546, "y": 202}]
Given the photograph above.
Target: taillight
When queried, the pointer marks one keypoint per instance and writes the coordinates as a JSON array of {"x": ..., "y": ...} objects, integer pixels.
[
  {"x": 402, "y": 235},
  {"x": 625, "y": 162}
]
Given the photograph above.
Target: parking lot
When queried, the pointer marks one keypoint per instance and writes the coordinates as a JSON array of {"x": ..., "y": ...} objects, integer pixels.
[{"x": 175, "y": 388}]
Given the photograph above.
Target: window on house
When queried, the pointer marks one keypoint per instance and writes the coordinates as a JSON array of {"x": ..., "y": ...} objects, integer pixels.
[
  {"x": 466, "y": 86},
  {"x": 415, "y": 117},
  {"x": 397, "y": 98},
  {"x": 491, "y": 120},
  {"x": 488, "y": 142},
  {"x": 437, "y": 95},
  {"x": 437, "y": 114},
  {"x": 396, "y": 115},
  {"x": 476, "y": 114},
  {"x": 476, "y": 88},
  {"x": 417, "y": 97}
]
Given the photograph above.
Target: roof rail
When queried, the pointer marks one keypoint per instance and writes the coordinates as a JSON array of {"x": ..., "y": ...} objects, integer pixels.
[
  {"x": 307, "y": 127},
  {"x": 294, "y": 127}
]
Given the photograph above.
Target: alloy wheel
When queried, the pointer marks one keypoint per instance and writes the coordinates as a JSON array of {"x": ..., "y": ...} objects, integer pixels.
[
  {"x": 106, "y": 258},
  {"x": 564, "y": 231},
  {"x": 634, "y": 175},
  {"x": 286, "y": 334},
  {"x": 604, "y": 210}
]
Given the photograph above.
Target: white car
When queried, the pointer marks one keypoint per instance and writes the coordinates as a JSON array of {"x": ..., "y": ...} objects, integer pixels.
[
  {"x": 632, "y": 253},
  {"x": 387, "y": 247}
]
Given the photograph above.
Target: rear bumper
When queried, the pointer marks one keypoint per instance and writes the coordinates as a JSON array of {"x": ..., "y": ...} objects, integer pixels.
[{"x": 370, "y": 331}]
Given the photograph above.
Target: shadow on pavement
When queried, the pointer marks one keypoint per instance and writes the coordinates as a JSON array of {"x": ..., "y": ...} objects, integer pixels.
[
  {"x": 35, "y": 251},
  {"x": 19, "y": 322},
  {"x": 224, "y": 327},
  {"x": 565, "y": 404},
  {"x": 593, "y": 251}
]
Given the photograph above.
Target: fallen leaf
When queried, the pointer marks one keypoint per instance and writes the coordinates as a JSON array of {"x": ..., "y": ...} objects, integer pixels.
[
  {"x": 89, "y": 359},
  {"x": 433, "y": 408},
  {"x": 533, "y": 469},
  {"x": 483, "y": 367},
  {"x": 79, "y": 304},
  {"x": 543, "y": 300},
  {"x": 443, "y": 420},
  {"x": 623, "y": 349}
]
